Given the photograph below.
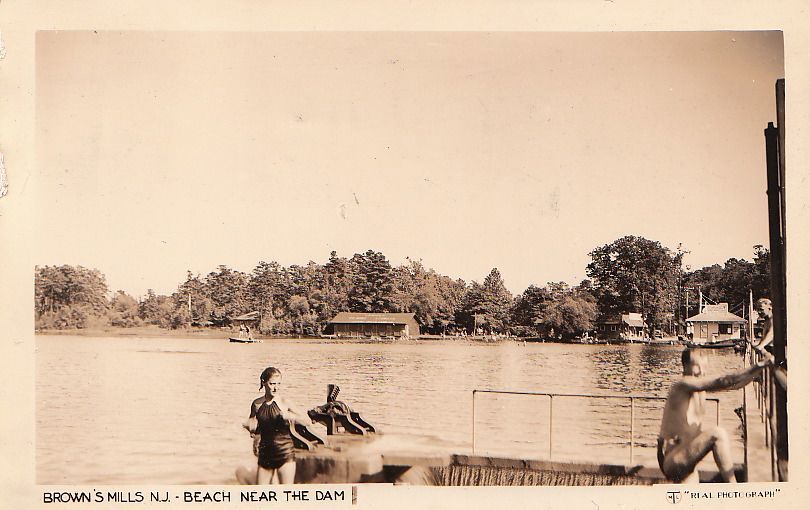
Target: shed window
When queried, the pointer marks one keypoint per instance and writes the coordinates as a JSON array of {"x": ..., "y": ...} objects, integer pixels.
[{"x": 725, "y": 329}]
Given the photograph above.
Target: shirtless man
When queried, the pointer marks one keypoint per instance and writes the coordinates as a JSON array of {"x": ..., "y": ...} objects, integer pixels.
[
  {"x": 765, "y": 310},
  {"x": 684, "y": 440}
]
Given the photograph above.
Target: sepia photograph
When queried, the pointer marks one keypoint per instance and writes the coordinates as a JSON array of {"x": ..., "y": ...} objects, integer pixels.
[{"x": 442, "y": 258}]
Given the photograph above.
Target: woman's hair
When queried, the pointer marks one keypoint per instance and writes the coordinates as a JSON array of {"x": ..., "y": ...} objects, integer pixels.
[{"x": 267, "y": 374}]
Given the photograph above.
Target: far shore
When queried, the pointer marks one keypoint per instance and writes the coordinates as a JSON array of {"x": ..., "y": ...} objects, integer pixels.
[
  {"x": 142, "y": 331},
  {"x": 223, "y": 334}
]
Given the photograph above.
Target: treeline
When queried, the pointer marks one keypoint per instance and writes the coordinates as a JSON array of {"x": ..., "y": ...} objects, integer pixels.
[{"x": 630, "y": 274}]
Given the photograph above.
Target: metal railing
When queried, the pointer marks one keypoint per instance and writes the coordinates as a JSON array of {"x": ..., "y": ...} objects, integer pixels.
[
  {"x": 551, "y": 397},
  {"x": 765, "y": 390}
]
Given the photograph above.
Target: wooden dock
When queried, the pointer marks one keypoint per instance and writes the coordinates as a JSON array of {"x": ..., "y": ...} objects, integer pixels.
[{"x": 759, "y": 451}]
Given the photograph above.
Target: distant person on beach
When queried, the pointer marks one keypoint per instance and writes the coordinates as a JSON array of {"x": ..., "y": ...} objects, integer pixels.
[
  {"x": 684, "y": 440},
  {"x": 268, "y": 424},
  {"x": 764, "y": 308}
]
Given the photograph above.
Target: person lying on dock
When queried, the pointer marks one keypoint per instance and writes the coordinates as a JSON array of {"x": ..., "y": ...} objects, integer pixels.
[{"x": 684, "y": 440}]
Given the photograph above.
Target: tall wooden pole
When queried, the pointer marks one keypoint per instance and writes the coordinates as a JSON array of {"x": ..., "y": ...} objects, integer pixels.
[{"x": 774, "y": 140}]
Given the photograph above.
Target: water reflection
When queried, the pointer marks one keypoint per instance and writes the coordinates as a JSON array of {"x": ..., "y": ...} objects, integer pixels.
[
  {"x": 658, "y": 365},
  {"x": 611, "y": 368}
]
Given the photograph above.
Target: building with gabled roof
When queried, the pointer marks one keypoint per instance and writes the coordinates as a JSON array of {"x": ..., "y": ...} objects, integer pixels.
[
  {"x": 626, "y": 327},
  {"x": 715, "y": 323},
  {"x": 367, "y": 324}
]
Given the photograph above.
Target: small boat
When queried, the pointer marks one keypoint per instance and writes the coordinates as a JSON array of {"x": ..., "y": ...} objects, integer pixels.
[
  {"x": 244, "y": 340},
  {"x": 661, "y": 341},
  {"x": 720, "y": 344}
]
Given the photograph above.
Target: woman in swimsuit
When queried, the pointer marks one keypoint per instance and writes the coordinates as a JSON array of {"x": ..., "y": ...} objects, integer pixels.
[{"x": 268, "y": 424}]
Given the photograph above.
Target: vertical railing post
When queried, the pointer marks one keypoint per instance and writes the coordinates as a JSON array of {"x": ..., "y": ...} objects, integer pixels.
[
  {"x": 473, "y": 422},
  {"x": 550, "y": 424},
  {"x": 745, "y": 434},
  {"x": 771, "y": 420},
  {"x": 766, "y": 409},
  {"x": 775, "y": 161},
  {"x": 632, "y": 416},
  {"x": 717, "y": 413}
]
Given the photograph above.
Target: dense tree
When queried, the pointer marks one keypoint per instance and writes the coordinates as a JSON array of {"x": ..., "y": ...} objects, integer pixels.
[
  {"x": 451, "y": 294},
  {"x": 123, "y": 311},
  {"x": 761, "y": 283},
  {"x": 529, "y": 311},
  {"x": 555, "y": 310},
  {"x": 59, "y": 286},
  {"x": 70, "y": 297},
  {"x": 372, "y": 284},
  {"x": 337, "y": 282},
  {"x": 731, "y": 282},
  {"x": 157, "y": 309},
  {"x": 227, "y": 290},
  {"x": 193, "y": 292},
  {"x": 266, "y": 292},
  {"x": 571, "y": 313},
  {"x": 631, "y": 274},
  {"x": 486, "y": 305},
  {"x": 299, "y": 307},
  {"x": 634, "y": 274}
]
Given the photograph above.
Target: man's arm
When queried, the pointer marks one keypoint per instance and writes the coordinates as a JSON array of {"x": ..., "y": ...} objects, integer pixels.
[
  {"x": 725, "y": 382},
  {"x": 767, "y": 338}
]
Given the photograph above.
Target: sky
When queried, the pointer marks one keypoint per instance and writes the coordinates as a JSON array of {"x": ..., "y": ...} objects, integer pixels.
[{"x": 161, "y": 152}]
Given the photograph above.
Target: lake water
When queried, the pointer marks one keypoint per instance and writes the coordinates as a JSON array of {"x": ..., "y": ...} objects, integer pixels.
[{"x": 169, "y": 410}]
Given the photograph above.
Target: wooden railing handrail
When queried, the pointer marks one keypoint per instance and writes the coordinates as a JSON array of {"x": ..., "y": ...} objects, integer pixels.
[{"x": 780, "y": 373}]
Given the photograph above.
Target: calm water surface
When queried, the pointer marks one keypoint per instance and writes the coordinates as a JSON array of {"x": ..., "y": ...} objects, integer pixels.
[{"x": 169, "y": 410}]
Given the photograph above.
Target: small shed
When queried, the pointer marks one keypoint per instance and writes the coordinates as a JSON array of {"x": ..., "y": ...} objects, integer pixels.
[
  {"x": 250, "y": 320},
  {"x": 715, "y": 323},
  {"x": 350, "y": 324},
  {"x": 626, "y": 326}
]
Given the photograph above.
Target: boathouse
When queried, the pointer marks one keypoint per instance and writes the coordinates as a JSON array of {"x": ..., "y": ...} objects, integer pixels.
[
  {"x": 715, "y": 323},
  {"x": 627, "y": 326},
  {"x": 349, "y": 324},
  {"x": 250, "y": 320}
]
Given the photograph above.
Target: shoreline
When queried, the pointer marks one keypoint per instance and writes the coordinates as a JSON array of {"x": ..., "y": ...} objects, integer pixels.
[
  {"x": 224, "y": 334},
  {"x": 207, "y": 333}
]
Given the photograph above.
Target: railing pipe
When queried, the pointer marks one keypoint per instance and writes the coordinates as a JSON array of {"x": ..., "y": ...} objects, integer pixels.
[{"x": 551, "y": 396}]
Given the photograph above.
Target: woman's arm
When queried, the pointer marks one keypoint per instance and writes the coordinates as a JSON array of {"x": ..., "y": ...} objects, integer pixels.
[
  {"x": 252, "y": 422},
  {"x": 294, "y": 413},
  {"x": 256, "y": 439}
]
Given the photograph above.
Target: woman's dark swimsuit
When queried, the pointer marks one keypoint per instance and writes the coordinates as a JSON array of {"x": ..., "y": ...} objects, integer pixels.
[{"x": 276, "y": 447}]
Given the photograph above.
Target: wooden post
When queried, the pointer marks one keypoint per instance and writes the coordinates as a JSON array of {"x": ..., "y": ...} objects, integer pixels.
[{"x": 776, "y": 224}]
